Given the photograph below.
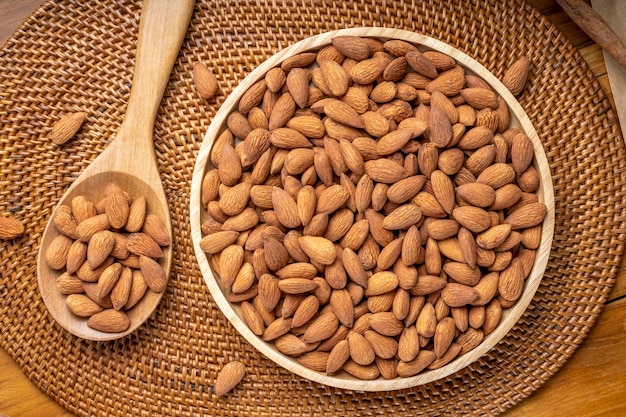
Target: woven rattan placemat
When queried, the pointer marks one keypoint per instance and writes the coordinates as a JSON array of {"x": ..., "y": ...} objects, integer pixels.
[{"x": 73, "y": 55}]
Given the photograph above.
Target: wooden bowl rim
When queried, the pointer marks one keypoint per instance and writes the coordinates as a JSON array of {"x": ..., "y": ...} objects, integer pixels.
[{"x": 509, "y": 317}]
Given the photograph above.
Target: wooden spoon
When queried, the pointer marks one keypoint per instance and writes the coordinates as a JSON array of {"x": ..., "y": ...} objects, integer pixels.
[{"x": 129, "y": 161}]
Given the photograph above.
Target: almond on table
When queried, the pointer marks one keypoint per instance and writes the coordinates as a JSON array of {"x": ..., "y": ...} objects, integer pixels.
[{"x": 370, "y": 209}]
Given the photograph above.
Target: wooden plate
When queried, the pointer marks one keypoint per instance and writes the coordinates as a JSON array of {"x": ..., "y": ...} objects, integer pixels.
[{"x": 343, "y": 380}]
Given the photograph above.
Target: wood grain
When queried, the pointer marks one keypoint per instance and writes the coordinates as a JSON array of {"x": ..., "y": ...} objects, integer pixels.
[{"x": 589, "y": 384}]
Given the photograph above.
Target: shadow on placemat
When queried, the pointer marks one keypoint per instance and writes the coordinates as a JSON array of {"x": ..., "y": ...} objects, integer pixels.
[{"x": 73, "y": 55}]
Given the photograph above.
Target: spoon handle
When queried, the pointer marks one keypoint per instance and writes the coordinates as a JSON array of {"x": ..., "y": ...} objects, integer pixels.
[{"x": 162, "y": 29}]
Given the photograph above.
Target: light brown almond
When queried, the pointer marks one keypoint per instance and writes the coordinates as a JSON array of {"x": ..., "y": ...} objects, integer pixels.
[
  {"x": 423, "y": 359},
  {"x": 529, "y": 215},
  {"x": 110, "y": 321},
  {"x": 229, "y": 377},
  {"x": 153, "y": 274},
  {"x": 516, "y": 75},
  {"x": 386, "y": 324},
  {"x": 402, "y": 217},
  {"x": 204, "y": 80},
  {"x": 57, "y": 252},
  {"x": 494, "y": 236},
  {"x": 318, "y": 249},
  {"x": 81, "y": 305},
  {"x": 321, "y": 328},
  {"x": 142, "y": 244},
  {"x": 68, "y": 283},
  {"x": 122, "y": 289},
  {"x": 458, "y": 295},
  {"x": 472, "y": 218},
  {"x": 99, "y": 248},
  {"x": 285, "y": 208},
  {"x": 444, "y": 335},
  {"x": 65, "y": 128},
  {"x": 338, "y": 356},
  {"x": 361, "y": 350}
]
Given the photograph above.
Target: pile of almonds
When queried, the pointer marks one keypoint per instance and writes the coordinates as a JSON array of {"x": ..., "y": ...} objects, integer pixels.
[
  {"x": 108, "y": 253},
  {"x": 370, "y": 208}
]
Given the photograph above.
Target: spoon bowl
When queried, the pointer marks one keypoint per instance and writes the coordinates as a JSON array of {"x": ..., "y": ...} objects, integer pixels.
[
  {"x": 92, "y": 190},
  {"x": 129, "y": 161}
]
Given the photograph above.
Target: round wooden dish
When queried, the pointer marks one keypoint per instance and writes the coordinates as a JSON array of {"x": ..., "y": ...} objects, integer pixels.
[{"x": 343, "y": 380}]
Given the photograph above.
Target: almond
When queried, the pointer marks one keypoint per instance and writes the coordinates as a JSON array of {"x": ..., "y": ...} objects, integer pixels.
[
  {"x": 338, "y": 356},
  {"x": 381, "y": 283},
  {"x": 121, "y": 291},
  {"x": 204, "y": 80},
  {"x": 493, "y": 314},
  {"x": 268, "y": 291},
  {"x": 230, "y": 165},
  {"x": 529, "y": 215},
  {"x": 298, "y": 85},
  {"x": 494, "y": 236},
  {"x": 336, "y": 78},
  {"x": 516, "y": 75},
  {"x": 285, "y": 208},
  {"x": 296, "y": 285},
  {"x": 229, "y": 377},
  {"x": 137, "y": 209},
  {"x": 386, "y": 324},
  {"x": 321, "y": 328},
  {"x": 444, "y": 335},
  {"x": 65, "y": 128},
  {"x": 462, "y": 273},
  {"x": 511, "y": 282},
  {"x": 480, "y": 98},
  {"x": 366, "y": 373},
  {"x": 458, "y": 295},
  {"x": 411, "y": 368},
  {"x": 283, "y": 111},
  {"x": 92, "y": 225},
  {"x": 477, "y": 194},
  {"x": 68, "y": 283},
  {"x": 110, "y": 321},
  {"x": 354, "y": 267},
  {"x": 318, "y": 249},
  {"x": 153, "y": 274},
  {"x": 63, "y": 220},
  {"x": 81, "y": 305},
  {"x": 361, "y": 350},
  {"x": 421, "y": 64},
  {"x": 331, "y": 199},
  {"x": 368, "y": 70},
  {"x": 357, "y": 234},
  {"x": 402, "y": 217},
  {"x": 57, "y": 252},
  {"x": 11, "y": 228},
  {"x": 99, "y": 248},
  {"x": 521, "y": 153},
  {"x": 472, "y": 218},
  {"x": 353, "y": 47},
  {"x": 429, "y": 205},
  {"x": 142, "y": 244},
  {"x": 235, "y": 199}
]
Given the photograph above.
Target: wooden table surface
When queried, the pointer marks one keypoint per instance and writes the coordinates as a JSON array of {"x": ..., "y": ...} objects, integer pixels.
[{"x": 591, "y": 383}]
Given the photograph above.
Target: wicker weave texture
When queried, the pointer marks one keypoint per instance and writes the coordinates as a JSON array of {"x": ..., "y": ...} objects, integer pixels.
[{"x": 73, "y": 55}]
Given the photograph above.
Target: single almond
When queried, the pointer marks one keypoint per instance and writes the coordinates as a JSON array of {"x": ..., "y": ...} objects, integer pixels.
[
  {"x": 331, "y": 199},
  {"x": 494, "y": 236},
  {"x": 458, "y": 295},
  {"x": 99, "y": 248},
  {"x": 421, "y": 64},
  {"x": 298, "y": 86},
  {"x": 65, "y": 128},
  {"x": 285, "y": 208},
  {"x": 353, "y": 47},
  {"x": 143, "y": 245},
  {"x": 81, "y": 305},
  {"x": 444, "y": 335},
  {"x": 402, "y": 217},
  {"x": 361, "y": 350},
  {"x": 153, "y": 274},
  {"x": 338, "y": 356},
  {"x": 228, "y": 378},
  {"x": 68, "y": 283},
  {"x": 472, "y": 218},
  {"x": 411, "y": 368},
  {"x": 522, "y": 153},
  {"x": 110, "y": 321},
  {"x": 122, "y": 289},
  {"x": 462, "y": 273},
  {"x": 321, "y": 328},
  {"x": 63, "y": 220},
  {"x": 318, "y": 249},
  {"x": 282, "y": 111},
  {"x": 57, "y": 252},
  {"x": 516, "y": 75},
  {"x": 480, "y": 98},
  {"x": 204, "y": 80},
  {"x": 368, "y": 70}
]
